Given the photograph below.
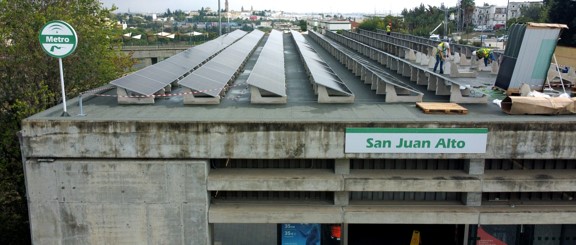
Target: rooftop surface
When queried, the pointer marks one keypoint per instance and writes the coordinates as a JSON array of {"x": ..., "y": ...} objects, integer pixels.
[{"x": 302, "y": 105}]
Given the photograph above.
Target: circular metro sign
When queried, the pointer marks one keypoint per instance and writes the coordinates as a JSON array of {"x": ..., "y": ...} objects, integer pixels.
[{"x": 58, "y": 39}]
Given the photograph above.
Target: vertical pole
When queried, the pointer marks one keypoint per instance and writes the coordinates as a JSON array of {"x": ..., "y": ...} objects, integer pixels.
[
  {"x": 81, "y": 106},
  {"x": 219, "y": 20},
  {"x": 65, "y": 113}
]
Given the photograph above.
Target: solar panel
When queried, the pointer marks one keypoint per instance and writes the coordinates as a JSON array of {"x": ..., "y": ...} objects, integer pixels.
[
  {"x": 320, "y": 72},
  {"x": 155, "y": 77},
  {"x": 268, "y": 72},
  {"x": 212, "y": 77}
]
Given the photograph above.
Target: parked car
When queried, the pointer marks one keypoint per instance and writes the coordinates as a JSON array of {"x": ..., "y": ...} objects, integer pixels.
[{"x": 502, "y": 38}]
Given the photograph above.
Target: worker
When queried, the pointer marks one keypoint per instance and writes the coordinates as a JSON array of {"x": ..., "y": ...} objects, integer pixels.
[
  {"x": 442, "y": 52},
  {"x": 484, "y": 53},
  {"x": 389, "y": 28}
]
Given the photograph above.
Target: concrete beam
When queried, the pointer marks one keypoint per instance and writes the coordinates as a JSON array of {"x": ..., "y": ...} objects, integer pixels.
[
  {"x": 530, "y": 181},
  {"x": 277, "y": 213},
  {"x": 411, "y": 181},
  {"x": 274, "y": 180},
  {"x": 517, "y": 214},
  {"x": 405, "y": 214}
]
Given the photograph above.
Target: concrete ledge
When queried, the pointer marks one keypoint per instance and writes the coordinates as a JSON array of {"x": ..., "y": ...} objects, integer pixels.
[
  {"x": 274, "y": 213},
  {"x": 449, "y": 214},
  {"x": 530, "y": 181},
  {"x": 545, "y": 215},
  {"x": 274, "y": 180},
  {"x": 411, "y": 181},
  {"x": 389, "y": 214}
]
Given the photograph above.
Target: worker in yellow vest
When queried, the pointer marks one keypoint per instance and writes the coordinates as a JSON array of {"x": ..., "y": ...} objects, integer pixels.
[
  {"x": 442, "y": 52},
  {"x": 486, "y": 54},
  {"x": 389, "y": 28}
]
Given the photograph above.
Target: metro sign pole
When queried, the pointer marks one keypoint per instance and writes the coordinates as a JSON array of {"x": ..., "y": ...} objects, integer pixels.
[{"x": 58, "y": 39}]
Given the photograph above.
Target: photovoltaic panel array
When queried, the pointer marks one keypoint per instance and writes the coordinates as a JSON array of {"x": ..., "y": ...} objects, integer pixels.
[
  {"x": 320, "y": 72},
  {"x": 151, "y": 79},
  {"x": 268, "y": 72},
  {"x": 212, "y": 77}
]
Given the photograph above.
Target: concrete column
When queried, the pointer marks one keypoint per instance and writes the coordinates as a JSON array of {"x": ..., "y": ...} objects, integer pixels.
[
  {"x": 196, "y": 229},
  {"x": 473, "y": 199},
  {"x": 342, "y": 166},
  {"x": 344, "y": 234},
  {"x": 341, "y": 198},
  {"x": 475, "y": 166}
]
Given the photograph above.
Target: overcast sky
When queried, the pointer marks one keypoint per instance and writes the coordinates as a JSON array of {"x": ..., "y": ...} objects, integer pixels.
[{"x": 302, "y": 6}]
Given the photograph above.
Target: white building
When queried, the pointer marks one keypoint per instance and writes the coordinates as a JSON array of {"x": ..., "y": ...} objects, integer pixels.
[
  {"x": 489, "y": 17},
  {"x": 334, "y": 25},
  {"x": 493, "y": 17}
]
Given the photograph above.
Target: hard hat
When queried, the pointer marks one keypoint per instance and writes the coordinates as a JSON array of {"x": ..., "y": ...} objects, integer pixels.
[{"x": 473, "y": 52}]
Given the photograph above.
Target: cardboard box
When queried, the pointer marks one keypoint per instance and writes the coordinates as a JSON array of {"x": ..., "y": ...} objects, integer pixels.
[{"x": 517, "y": 105}]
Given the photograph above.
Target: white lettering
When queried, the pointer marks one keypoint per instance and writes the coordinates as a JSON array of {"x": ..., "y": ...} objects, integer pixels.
[{"x": 56, "y": 39}]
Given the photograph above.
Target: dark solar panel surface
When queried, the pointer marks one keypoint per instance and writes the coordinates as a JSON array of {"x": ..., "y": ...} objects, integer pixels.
[
  {"x": 268, "y": 72},
  {"x": 320, "y": 72},
  {"x": 153, "y": 78},
  {"x": 212, "y": 77}
]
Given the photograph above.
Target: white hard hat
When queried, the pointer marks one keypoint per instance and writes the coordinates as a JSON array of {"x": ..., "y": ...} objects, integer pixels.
[{"x": 473, "y": 52}]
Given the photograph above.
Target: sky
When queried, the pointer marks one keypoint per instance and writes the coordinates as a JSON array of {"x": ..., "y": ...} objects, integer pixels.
[{"x": 300, "y": 6}]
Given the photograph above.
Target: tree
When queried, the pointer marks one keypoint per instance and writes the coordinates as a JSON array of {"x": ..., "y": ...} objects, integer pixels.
[
  {"x": 468, "y": 7},
  {"x": 303, "y": 25},
  {"x": 371, "y": 24},
  {"x": 29, "y": 83},
  {"x": 422, "y": 20},
  {"x": 562, "y": 12}
]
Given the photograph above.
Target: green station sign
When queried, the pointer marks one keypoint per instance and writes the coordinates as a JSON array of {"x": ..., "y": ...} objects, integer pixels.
[{"x": 58, "y": 39}]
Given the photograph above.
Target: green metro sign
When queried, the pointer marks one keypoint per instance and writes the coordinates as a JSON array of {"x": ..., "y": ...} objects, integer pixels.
[{"x": 58, "y": 39}]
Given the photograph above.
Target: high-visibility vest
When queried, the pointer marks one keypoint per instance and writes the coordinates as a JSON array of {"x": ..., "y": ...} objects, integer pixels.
[
  {"x": 441, "y": 48},
  {"x": 388, "y": 27},
  {"x": 483, "y": 53}
]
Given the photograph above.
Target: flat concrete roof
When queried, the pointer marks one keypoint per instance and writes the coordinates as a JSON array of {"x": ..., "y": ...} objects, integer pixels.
[{"x": 302, "y": 105}]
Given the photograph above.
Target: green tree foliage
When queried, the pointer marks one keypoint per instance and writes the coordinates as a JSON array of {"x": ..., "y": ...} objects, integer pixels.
[
  {"x": 562, "y": 12},
  {"x": 30, "y": 83},
  {"x": 374, "y": 23},
  {"x": 422, "y": 20},
  {"x": 303, "y": 25}
]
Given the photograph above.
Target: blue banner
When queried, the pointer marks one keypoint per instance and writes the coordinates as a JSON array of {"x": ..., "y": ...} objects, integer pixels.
[{"x": 301, "y": 234}]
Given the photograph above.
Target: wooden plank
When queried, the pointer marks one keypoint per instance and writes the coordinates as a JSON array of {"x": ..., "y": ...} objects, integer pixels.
[{"x": 445, "y": 108}]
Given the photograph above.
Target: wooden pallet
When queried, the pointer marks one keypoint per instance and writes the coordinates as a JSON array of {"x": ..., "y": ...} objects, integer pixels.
[{"x": 444, "y": 108}]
